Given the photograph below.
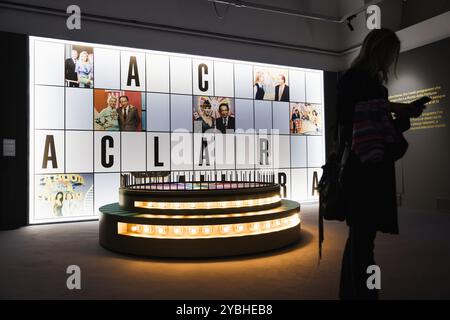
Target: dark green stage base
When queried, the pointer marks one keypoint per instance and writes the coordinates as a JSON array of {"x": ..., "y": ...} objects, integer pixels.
[{"x": 195, "y": 248}]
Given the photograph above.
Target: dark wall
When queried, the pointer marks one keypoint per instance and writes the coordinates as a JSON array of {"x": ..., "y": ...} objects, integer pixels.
[
  {"x": 424, "y": 172},
  {"x": 14, "y": 125},
  {"x": 415, "y": 11}
]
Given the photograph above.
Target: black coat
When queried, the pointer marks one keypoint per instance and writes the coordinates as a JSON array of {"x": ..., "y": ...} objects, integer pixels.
[
  {"x": 370, "y": 189},
  {"x": 259, "y": 95},
  {"x": 284, "y": 95},
  {"x": 221, "y": 127},
  {"x": 70, "y": 70}
]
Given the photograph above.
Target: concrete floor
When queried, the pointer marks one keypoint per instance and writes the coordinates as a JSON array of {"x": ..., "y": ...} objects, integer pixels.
[{"x": 414, "y": 265}]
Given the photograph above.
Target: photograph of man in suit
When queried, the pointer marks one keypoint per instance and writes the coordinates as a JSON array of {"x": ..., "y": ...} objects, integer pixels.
[
  {"x": 282, "y": 90},
  {"x": 71, "y": 75},
  {"x": 225, "y": 123},
  {"x": 129, "y": 119}
]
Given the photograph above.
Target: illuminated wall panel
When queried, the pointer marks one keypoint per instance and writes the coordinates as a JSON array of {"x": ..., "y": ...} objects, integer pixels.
[{"x": 97, "y": 111}]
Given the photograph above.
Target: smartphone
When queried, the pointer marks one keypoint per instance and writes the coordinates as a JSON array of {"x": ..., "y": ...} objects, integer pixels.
[{"x": 421, "y": 101}]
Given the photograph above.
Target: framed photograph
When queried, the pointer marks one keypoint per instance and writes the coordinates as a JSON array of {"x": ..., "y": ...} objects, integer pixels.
[
  {"x": 306, "y": 119},
  {"x": 79, "y": 66},
  {"x": 271, "y": 84},
  {"x": 213, "y": 114}
]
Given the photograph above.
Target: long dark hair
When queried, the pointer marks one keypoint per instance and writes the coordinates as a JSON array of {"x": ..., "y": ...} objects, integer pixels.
[{"x": 379, "y": 46}]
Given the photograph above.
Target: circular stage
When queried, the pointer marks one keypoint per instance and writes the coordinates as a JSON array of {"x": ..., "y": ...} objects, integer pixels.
[{"x": 199, "y": 219}]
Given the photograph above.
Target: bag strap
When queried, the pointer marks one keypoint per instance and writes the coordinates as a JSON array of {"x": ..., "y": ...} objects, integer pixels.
[{"x": 342, "y": 150}]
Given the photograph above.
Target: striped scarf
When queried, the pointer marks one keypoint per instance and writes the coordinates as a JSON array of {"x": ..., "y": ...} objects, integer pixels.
[{"x": 373, "y": 129}]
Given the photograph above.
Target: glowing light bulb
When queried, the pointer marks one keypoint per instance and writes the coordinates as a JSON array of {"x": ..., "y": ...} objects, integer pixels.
[
  {"x": 250, "y": 202},
  {"x": 177, "y": 230},
  {"x": 162, "y": 205},
  {"x": 267, "y": 224},
  {"x": 223, "y": 204},
  {"x": 278, "y": 222},
  {"x": 134, "y": 228},
  {"x": 161, "y": 230},
  {"x": 208, "y": 204},
  {"x": 146, "y": 229},
  {"x": 193, "y": 230},
  {"x": 226, "y": 229},
  {"x": 192, "y": 205},
  {"x": 254, "y": 226},
  {"x": 240, "y": 228},
  {"x": 207, "y": 230}
]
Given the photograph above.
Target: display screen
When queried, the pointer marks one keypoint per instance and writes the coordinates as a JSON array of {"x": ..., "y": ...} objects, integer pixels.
[{"x": 98, "y": 110}]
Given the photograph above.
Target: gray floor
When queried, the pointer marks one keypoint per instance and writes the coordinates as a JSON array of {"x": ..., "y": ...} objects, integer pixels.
[{"x": 414, "y": 265}]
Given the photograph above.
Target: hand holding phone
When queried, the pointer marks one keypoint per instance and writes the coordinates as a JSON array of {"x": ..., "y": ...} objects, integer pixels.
[
  {"x": 421, "y": 102},
  {"x": 418, "y": 106}
]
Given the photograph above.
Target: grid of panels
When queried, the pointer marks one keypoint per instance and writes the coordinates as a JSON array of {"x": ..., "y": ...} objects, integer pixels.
[{"x": 191, "y": 114}]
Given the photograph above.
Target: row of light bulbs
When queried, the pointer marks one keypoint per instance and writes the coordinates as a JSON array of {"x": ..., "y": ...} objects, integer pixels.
[
  {"x": 208, "y": 231},
  {"x": 207, "y": 205}
]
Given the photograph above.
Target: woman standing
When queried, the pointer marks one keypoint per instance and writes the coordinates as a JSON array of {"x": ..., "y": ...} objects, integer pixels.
[
  {"x": 259, "y": 86},
  {"x": 206, "y": 118},
  {"x": 84, "y": 70},
  {"x": 369, "y": 189},
  {"x": 58, "y": 204}
]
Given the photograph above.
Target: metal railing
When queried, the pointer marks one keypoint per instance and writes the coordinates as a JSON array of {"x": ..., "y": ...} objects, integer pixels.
[{"x": 196, "y": 180}]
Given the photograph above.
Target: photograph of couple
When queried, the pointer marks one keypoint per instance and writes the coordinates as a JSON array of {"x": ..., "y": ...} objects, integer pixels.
[
  {"x": 271, "y": 84},
  {"x": 79, "y": 66},
  {"x": 213, "y": 114},
  {"x": 118, "y": 110}
]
